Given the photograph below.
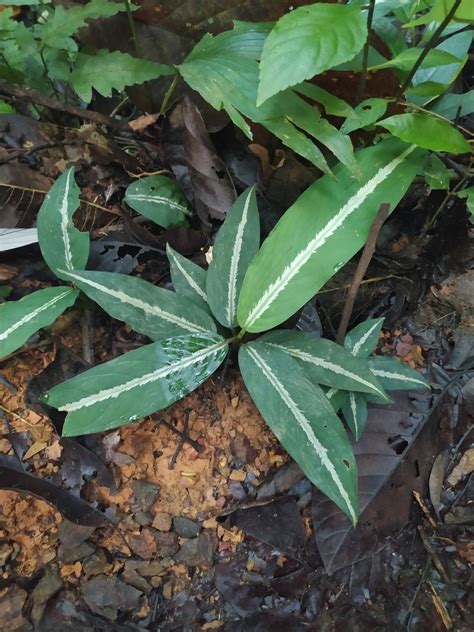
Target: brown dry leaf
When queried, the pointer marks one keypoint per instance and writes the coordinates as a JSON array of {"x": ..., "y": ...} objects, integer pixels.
[
  {"x": 466, "y": 550},
  {"x": 142, "y": 122},
  {"x": 441, "y": 609},
  {"x": 463, "y": 468},
  {"x": 35, "y": 448}
]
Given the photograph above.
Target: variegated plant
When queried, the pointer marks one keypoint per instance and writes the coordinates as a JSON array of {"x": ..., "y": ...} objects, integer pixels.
[{"x": 298, "y": 381}]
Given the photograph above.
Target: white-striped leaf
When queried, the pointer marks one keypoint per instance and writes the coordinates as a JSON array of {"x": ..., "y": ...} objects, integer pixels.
[
  {"x": 336, "y": 398},
  {"x": 363, "y": 338},
  {"x": 325, "y": 227},
  {"x": 325, "y": 362},
  {"x": 148, "y": 309},
  {"x": 355, "y": 413},
  {"x": 136, "y": 384},
  {"x": 160, "y": 199},
  {"x": 301, "y": 417},
  {"x": 63, "y": 246},
  {"x": 21, "y": 319},
  {"x": 395, "y": 375},
  {"x": 188, "y": 278},
  {"x": 236, "y": 243}
]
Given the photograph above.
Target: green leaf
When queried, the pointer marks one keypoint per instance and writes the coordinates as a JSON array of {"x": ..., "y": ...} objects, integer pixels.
[
  {"x": 468, "y": 195},
  {"x": 436, "y": 173},
  {"x": 332, "y": 104},
  {"x": 325, "y": 362},
  {"x": 236, "y": 243},
  {"x": 396, "y": 376},
  {"x": 6, "y": 108},
  {"x": 440, "y": 10},
  {"x": 188, "y": 278},
  {"x": 429, "y": 132},
  {"x": 63, "y": 246},
  {"x": 224, "y": 70},
  {"x": 336, "y": 398},
  {"x": 21, "y": 319},
  {"x": 137, "y": 383},
  {"x": 106, "y": 71},
  {"x": 148, "y": 309},
  {"x": 305, "y": 248},
  {"x": 366, "y": 113},
  {"x": 302, "y": 418},
  {"x": 160, "y": 199},
  {"x": 363, "y": 338},
  {"x": 407, "y": 58},
  {"x": 355, "y": 413},
  {"x": 315, "y": 38},
  {"x": 455, "y": 105}
]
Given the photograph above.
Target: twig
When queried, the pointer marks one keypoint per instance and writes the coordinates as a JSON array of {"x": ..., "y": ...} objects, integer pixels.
[
  {"x": 182, "y": 441},
  {"x": 361, "y": 269},
  {"x": 169, "y": 93},
  {"x": 17, "y": 153},
  {"x": 365, "y": 58},
  {"x": 197, "y": 446},
  {"x": 33, "y": 96},
  {"x": 133, "y": 30},
  {"x": 432, "y": 42}
]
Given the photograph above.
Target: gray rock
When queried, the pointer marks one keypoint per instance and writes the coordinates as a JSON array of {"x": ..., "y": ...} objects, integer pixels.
[
  {"x": 198, "y": 551},
  {"x": 105, "y": 596},
  {"x": 146, "y": 493},
  {"x": 47, "y": 586},
  {"x": 68, "y": 556},
  {"x": 137, "y": 581},
  {"x": 166, "y": 544},
  {"x": 96, "y": 564},
  {"x": 11, "y": 610},
  {"x": 185, "y": 527}
]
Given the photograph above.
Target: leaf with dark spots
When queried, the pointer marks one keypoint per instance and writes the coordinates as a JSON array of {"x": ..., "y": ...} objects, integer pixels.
[
  {"x": 386, "y": 480},
  {"x": 212, "y": 186},
  {"x": 71, "y": 507},
  {"x": 277, "y": 523}
]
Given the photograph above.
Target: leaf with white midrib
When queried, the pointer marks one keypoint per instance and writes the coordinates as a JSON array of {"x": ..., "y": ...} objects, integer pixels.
[
  {"x": 188, "y": 278},
  {"x": 160, "y": 199},
  {"x": 394, "y": 374}
]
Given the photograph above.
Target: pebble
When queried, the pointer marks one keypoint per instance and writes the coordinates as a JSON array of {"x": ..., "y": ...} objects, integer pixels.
[
  {"x": 185, "y": 527},
  {"x": 162, "y": 521},
  {"x": 146, "y": 493},
  {"x": 198, "y": 551}
]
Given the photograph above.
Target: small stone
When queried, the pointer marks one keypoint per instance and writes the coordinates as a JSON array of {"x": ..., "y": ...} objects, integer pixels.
[
  {"x": 96, "y": 564},
  {"x": 156, "y": 581},
  {"x": 242, "y": 450},
  {"x": 144, "y": 544},
  {"x": 11, "y": 610},
  {"x": 145, "y": 493},
  {"x": 106, "y": 596},
  {"x": 144, "y": 518},
  {"x": 68, "y": 556},
  {"x": 47, "y": 586},
  {"x": 149, "y": 569},
  {"x": 238, "y": 475},
  {"x": 137, "y": 581},
  {"x": 198, "y": 551},
  {"x": 168, "y": 590},
  {"x": 162, "y": 521},
  {"x": 185, "y": 527},
  {"x": 166, "y": 544}
]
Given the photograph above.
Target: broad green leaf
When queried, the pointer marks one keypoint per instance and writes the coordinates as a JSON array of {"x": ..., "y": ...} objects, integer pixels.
[
  {"x": 336, "y": 398},
  {"x": 440, "y": 9},
  {"x": 106, "y": 71},
  {"x": 332, "y": 104},
  {"x": 364, "y": 114},
  {"x": 388, "y": 32},
  {"x": 137, "y": 383},
  {"x": 427, "y": 131},
  {"x": 426, "y": 89},
  {"x": 224, "y": 70},
  {"x": 355, "y": 413},
  {"x": 315, "y": 38},
  {"x": 148, "y": 309},
  {"x": 21, "y": 319},
  {"x": 453, "y": 106},
  {"x": 306, "y": 248},
  {"x": 325, "y": 362},
  {"x": 396, "y": 376},
  {"x": 302, "y": 418},
  {"x": 436, "y": 173},
  {"x": 62, "y": 245},
  {"x": 160, "y": 199},
  {"x": 236, "y": 243},
  {"x": 362, "y": 339},
  {"x": 406, "y": 59},
  {"x": 468, "y": 195},
  {"x": 6, "y": 108},
  {"x": 188, "y": 278}
]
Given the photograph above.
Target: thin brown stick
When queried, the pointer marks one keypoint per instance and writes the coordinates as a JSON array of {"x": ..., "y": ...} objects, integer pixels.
[
  {"x": 361, "y": 269},
  {"x": 33, "y": 96}
]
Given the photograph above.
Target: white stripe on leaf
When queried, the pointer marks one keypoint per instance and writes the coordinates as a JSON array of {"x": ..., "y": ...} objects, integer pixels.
[
  {"x": 156, "y": 199},
  {"x": 63, "y": 211},
  {"x": 191, "y": 282},
  {"x": 358, "y": 345},
  {"x": 397, "y": 376},
  {"x": 275, "y": 288},
  {"x": 305, "y": 425},
  {"x": 29, "y": 317}
]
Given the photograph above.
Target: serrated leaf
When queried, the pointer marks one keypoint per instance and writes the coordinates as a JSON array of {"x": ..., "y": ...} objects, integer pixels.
[
  {"x": 160, "y": 199},
  {"x": 224, "y": 70},
  {"x": 188, "y": 278},
  {"x": 362, "y": 339},
  {"x": 136, "y": 384},
  {"x": 315, "y": 38},
  {"x": 325, "y": 362},
  {"x": 394, "y": 375},
  {"x": 148, "y": 309},
  {"x": 237, "y": 241},
  {"x": 436, "y": 173},
  {"x": 63, "y": 246},
  {"x": 426, "y": 131},
  {"x": 111, "y": 70},
  {"x": 303, "y": 420},
  {"x": 364, "y": 114},
  {"x": 332, "y": 104},
  {"x": 453, "y": 106},
  {"x": 21, "y": 319},
  {"x": 406, "y": 59},
  {"x": 468, "y": 195},
  {"x": 355, "y": 413},
  {"x": 305, "y": 248}
]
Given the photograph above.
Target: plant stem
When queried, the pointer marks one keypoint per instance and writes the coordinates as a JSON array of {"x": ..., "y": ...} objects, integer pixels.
[
  {"x": 432, "y": 42},
  {"x": 169, "y": 93},
  {"x": 419, "y": 108},
  {"x": 365, "y": 59},
  {"x": 133, "y": 30},
  {"x": 241, "y": 334},
  {"x": 361, "y": 269}
]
